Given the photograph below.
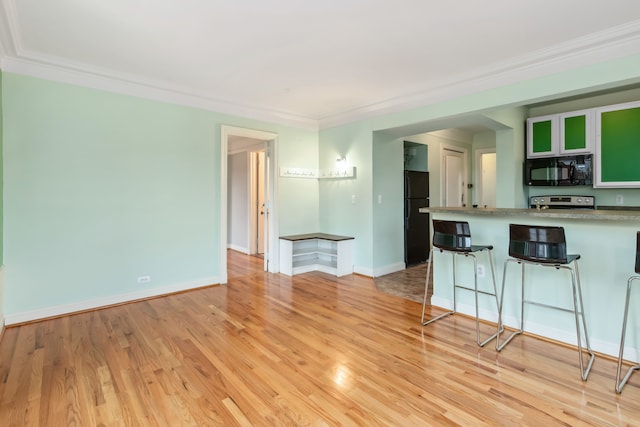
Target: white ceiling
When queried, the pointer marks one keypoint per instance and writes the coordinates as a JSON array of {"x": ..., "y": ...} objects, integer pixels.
[{"x": 312, "y": 64}]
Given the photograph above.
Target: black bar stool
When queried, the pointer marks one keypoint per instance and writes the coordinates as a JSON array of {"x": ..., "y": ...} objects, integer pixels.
[
  {"x": 545, "y": 246},
  {"x": 454, "y": 237},
  {"x": 620, "y": 384}
]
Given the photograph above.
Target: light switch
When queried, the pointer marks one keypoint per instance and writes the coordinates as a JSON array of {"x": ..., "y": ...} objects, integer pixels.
[
  {"x": 379, "y": 199},
  {"x": 353, "y": 199}
]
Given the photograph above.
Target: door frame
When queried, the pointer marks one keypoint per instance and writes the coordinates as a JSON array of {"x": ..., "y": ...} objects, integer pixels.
[
  {"x": 255, "y": 177},
  {"x": 465, "y": 172},
  {"x": 478, "y": 171},
  {"x": 273, "y": 218}
]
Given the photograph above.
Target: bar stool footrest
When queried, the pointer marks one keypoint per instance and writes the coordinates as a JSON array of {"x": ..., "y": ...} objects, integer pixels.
[
  {"x": 621, "y": 384},
  {"x": 592, "y": 357},
  {"x": 448, "y": 313}
]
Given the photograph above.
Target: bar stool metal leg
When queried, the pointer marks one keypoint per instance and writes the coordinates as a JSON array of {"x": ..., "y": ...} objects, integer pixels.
[
  {"x": 454, "y": 237},
  {"x": 494, "y": 294},
  {"x": 545, "y": 246},
  {"x": 620, "y": 384},
  {"x": 479, "y": 340},
  {"x": 499, "y": 346},
  {"x": 426, "y": 286},
  {"x": 579, "y": 314}
]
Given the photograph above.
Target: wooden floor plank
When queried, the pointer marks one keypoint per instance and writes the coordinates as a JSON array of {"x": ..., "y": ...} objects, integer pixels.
[{"x": 272, "y": 350}]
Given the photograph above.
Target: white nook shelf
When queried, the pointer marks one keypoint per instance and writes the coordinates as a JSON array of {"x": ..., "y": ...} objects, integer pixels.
[{"x": 329, "y": 253}]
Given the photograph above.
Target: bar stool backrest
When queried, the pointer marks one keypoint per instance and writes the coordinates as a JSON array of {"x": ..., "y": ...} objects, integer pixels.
[
  {"x": 451, "y": 235},
  {"x": 538, "y": 243},
  {"x": 638, "y": 252}
]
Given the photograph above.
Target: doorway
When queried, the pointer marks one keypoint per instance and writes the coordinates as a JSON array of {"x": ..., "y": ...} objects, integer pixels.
[
  {"x": 255, "y": 141},
  {"x": 485, "y": 165},
  {"x": 453, "y": 176},
  {"x": 258, "y": 220}
]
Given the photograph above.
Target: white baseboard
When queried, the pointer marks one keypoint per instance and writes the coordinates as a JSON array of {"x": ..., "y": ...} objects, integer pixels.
[
  {"x": 47, "y": 312},
  {"x": 561, "y": 335},
  {"x": 388, "y": 269},
  {"x": 363, "y": 271},
  {"x": 2, "y": 318},
  {"x": 238, "y": 248},
  {"x": 470, "y": 310}
]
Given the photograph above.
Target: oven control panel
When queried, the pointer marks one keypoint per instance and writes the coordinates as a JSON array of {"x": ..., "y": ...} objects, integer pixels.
[{"x": 563, "y": 202}]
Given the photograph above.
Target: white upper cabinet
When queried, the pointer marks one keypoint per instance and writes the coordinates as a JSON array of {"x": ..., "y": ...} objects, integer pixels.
[
  {"x": 577, "y": 132},
  {"x": 543, "y": 135},
  {"x": 561, "y": 134}
]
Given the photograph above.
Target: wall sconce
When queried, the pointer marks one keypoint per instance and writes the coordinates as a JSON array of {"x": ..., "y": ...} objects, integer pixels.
[{"x": 341, "y": 170}]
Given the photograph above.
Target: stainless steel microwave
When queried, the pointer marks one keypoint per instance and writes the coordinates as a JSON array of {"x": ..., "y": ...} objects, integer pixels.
[{"x": 559, "y": 171}]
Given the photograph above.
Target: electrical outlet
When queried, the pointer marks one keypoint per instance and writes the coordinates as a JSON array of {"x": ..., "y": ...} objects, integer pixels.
[
  {"x": 144, "y": 279},
  {"x": 480, "y": 270},
  {"x": 619, "y": 199}
]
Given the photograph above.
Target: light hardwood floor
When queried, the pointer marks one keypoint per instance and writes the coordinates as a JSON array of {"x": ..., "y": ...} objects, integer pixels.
[{"x": 271, "y": 350}]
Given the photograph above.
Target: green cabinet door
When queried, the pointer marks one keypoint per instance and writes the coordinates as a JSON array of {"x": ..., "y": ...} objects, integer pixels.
[
  {"x": 542, "y": 136},
  {"x": 576, "y": 132},
  {"x": 618, "y": 146}
]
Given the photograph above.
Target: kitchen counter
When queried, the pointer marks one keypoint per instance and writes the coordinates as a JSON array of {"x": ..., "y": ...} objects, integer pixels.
[
  {"x": 586, "y": 214},
  {"x": 606, "y": 241}
]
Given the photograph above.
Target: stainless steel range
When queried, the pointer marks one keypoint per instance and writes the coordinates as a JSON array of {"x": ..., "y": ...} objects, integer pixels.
[{"x": 562, "y": 202}]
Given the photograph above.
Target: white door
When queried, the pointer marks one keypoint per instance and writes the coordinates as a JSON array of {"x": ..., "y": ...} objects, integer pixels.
[
  {"x": 261, "y": 217},
  {"x": 453, "y": 171},
  {"x": 487, "y": 182},
  {"x": 269, "y": 186},
  {"x": 257, "y": 194}
]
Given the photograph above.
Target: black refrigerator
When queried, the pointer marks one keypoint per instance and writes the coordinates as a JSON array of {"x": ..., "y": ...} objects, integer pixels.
[{"x": 416, "y": 224}]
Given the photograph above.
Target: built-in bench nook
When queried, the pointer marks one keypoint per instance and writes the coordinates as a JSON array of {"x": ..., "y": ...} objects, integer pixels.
[{"x": 329, "y": 253}]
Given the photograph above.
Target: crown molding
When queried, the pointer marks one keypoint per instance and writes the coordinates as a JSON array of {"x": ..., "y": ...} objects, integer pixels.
[
  {"x": 78, "y": 75},
  {"x": 617, "y": 42},
  {"x": 6, "y": 41},
  {"x": 15, "y": 59}
]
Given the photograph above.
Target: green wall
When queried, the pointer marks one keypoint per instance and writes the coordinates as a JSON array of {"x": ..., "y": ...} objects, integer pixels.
[
  {"x": 388, "y": 216},
  {"x": 102, "y": 188},
  {"x": 345, "y": 204},
  {"x": 1, "y": 187},
  {"x": 2, "y": 269},
  {"x": 503, "y": 108}
]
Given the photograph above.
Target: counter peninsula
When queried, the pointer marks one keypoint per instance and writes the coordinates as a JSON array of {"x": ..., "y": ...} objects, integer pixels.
[{"x": 606, "y": 241}]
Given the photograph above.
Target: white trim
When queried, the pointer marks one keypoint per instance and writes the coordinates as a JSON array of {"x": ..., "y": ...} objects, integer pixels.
[
  {"x": 245, "y": 146},
  {"x": 478, "y": 172},
  {"x": 3, "y": 269},
  {"x": 252, "y": 191},
  {"x": 81, "y": 75},
  {"x": 364, "y": 271},
  {"x": 270, "y": 138},
  {"x": 612, "y": 43},
  {"x": 560, "y": 335},
  {"x": 388, "y": 269},
  {"x": 238, "y": 248},
  {"x": 47, "y": 312},
  {"x": 467, "y": 309},
  {"x": 273, "y": 256},
  {"x": 465, "y": 171}
]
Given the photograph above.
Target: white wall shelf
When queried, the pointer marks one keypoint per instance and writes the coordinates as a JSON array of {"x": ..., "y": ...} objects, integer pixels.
[{"x": 339, "y": 173}]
